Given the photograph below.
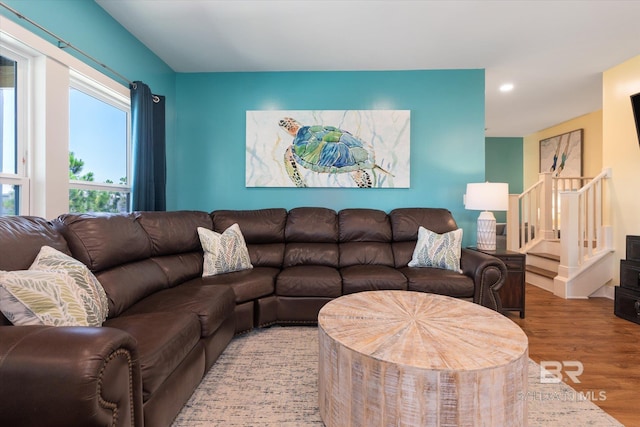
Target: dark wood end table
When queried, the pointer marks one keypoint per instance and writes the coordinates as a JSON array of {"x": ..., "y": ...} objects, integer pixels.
[{"x": 512, "y": 292}]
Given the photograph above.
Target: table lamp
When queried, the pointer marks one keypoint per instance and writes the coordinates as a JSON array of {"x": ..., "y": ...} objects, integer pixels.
[{"x": 487, "y": 197}]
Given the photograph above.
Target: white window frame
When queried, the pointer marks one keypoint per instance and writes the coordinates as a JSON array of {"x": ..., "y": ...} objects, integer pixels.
[
  {"x": 90, "y": 87},
  {"x": 45, "y": 183},
  {"x": 23, "y": 104},
  {"x": 24, "y": 184}
]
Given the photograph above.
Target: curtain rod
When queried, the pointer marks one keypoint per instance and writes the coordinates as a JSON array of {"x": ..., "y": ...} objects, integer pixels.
[{"x": 64, "y": 44}]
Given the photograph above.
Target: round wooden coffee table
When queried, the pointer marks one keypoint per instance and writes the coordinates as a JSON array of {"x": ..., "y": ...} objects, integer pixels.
[{"x": 416, "y": 359}]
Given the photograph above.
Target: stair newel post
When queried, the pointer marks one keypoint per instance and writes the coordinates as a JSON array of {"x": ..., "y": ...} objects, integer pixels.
[
  {"x": 546, "y": 206},
  {"x": 570, "y": 235}
]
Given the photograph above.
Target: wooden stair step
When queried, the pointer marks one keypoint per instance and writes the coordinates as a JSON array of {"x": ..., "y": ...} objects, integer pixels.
[
  {"x": 541, "y": 271},
  {"x": 546, "y": 255}
]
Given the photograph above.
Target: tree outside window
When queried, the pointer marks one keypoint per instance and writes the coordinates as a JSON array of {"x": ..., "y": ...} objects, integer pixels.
[
  {"x": 98, "y": 152},
  {"x": 87, "y": 200}
]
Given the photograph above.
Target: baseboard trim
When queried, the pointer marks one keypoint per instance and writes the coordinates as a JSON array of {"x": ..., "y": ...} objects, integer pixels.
[{"x": 606, "y": 291}]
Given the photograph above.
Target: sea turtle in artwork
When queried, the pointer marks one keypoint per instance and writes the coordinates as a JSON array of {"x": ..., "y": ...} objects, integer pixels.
[{"x": 327, "y": 149}]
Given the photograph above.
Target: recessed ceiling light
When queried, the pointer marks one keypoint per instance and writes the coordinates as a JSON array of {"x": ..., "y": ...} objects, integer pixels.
[{"x": 507, "y": 87}]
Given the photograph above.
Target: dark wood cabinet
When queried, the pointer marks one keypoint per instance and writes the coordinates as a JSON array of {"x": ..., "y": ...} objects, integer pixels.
[
  {"x": 512, "y": 292},
  {"x": 627, "y": 304},
  {"x": 627, "y": 296}
]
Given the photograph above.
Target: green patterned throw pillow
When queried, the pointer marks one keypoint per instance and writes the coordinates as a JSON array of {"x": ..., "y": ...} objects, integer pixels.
[
  {"x": 29, "y": 297},
  {"x": 91, "y": 291},
  {"x": 41, "y": 298},
  {"x": 438, "y": 250},
  {"x": 57, "y": 290},
  {"x": 224, "y": 253}
]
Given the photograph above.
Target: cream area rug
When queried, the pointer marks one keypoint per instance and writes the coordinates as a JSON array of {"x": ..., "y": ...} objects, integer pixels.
[{"x": 268, "y": 378}]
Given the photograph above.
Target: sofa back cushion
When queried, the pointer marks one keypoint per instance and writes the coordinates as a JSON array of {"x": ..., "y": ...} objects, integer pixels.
[
  {"x": 175, "y": 232},
  {"x": 312, "y": 237},
  {"x": 404, "y": 226},
  {"x": 175, "y": 245},
  {"x": 127, "y": 284},
  {"x": 365, "y": 237},
  {"x": 21, "y": 238},
  {"x": 118, "y": 250},
  {"x": 102, "y": 241},
  {"x": 262, "y": 229}
]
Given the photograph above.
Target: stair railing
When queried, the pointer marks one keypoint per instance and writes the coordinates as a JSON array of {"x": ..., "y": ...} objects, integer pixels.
[
  {"x": 584, "y": 235},
  {"x": 539, "y": 213},
  {"x": 560, "y": 185},
  {"x": 530, "y": 215}
]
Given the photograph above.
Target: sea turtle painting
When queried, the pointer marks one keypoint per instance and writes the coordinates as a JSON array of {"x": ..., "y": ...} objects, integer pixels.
[{"x": 328, "y": 149}]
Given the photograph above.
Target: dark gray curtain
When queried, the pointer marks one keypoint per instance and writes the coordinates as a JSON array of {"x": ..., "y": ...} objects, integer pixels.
[{"x": 148, "y": 187}]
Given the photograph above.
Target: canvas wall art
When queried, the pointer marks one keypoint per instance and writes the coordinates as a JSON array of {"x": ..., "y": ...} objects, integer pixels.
[
  {"x": 562, "y": 154},
  {"x": 328, "y": 148}
]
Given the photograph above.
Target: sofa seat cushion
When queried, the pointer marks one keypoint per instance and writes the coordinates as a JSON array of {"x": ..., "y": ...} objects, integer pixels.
[
  {"x": 371, "y": 277},
  {"x": 439, "y": 281},
  {"x": 309, "y": 281},
  {"x": 248, "y": 285},
  {"x": 164, "y": 340},
  {"x": 212, "y": 304}
]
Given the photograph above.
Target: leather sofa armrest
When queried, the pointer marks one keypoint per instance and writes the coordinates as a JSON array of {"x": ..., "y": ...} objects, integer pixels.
[
  {"x": 488, "y": 273},
  {"x": 69, "y": 376}
]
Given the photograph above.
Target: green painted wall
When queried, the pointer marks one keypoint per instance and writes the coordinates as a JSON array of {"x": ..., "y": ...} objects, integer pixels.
[{"x": 504, "y": 163}]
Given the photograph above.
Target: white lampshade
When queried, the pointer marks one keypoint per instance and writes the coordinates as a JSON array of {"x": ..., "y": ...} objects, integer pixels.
[{"x": 487, "y": 196}]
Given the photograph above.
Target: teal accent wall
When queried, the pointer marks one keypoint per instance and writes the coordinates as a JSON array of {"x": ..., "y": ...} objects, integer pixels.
[
  {"x": 206, "y": 119},
  {"x": 447, "y": 136},
  {"x": 504, "y": 163}
]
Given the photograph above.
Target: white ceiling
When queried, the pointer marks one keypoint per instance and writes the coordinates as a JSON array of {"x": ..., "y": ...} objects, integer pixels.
[{"x": 553, "y": 51}]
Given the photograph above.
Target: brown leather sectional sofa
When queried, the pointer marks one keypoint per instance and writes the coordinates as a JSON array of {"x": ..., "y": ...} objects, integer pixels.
[{"x": 167, "y": 325}]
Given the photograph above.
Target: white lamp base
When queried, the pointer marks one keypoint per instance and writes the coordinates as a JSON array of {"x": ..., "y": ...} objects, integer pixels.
[{"x": 487, "y": 231}]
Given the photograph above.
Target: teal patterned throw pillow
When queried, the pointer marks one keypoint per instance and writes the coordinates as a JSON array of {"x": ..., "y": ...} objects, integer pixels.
[
  {"x": 438, "y": 250},
  {"x": 224, "y": 253}
]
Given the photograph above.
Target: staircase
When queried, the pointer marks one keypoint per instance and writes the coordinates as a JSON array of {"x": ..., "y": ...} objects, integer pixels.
[
  {"x": 542, "y": 267},
  {"x": 558, "y": 223}
]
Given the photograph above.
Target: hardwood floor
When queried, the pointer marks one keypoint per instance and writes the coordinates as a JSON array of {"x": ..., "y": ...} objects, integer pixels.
[{"x": 587, "y": 331}]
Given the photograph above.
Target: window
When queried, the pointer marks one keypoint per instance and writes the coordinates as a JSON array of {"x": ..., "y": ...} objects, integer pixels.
[
  {"x": 13, "y": 181},
  {"x": 98, "y": 149},
  {"x": 45, "y": 93},
  {"x": 8, "y": 109}
]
